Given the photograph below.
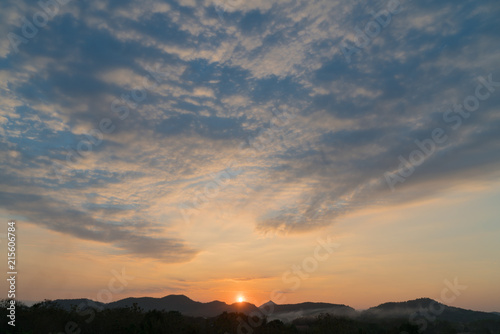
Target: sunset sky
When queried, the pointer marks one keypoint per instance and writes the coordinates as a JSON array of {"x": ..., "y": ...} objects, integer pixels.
[{"x": 335, "y": 151}]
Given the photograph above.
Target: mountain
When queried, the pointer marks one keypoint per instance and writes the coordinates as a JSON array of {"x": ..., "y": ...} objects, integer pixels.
[
  {"x": 184, "y": 305},
  {"x": 81, "y": 303},
  {"x": 288, "y": 312},
  {"x": 426, "y": 308},
  {"x": 413, "y": 309},
  {"x": 178, "y": 303}
]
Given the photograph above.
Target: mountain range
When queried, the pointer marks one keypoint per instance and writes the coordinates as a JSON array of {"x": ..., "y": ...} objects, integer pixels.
[{"x": 419, "y": 308}]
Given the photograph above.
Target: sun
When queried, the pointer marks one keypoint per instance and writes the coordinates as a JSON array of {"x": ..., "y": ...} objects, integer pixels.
[{"x": 241, "y": 299}]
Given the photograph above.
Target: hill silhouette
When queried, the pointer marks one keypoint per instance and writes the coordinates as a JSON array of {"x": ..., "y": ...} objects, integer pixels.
[
  {"x": 429, "y": 308},
  {"x": 178, "y": 314},
  {"x": 179, "y": 303},
  {"x": 286, "y": 312}
]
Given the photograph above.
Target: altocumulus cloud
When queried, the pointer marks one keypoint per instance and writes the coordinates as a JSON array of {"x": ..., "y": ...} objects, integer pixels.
[{"x": 222, "y": 76}]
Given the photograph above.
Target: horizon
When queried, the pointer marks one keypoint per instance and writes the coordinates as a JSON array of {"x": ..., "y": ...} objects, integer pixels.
[
  {"x": 330, "y": 151},
  {"x": 31, "y": 303}
]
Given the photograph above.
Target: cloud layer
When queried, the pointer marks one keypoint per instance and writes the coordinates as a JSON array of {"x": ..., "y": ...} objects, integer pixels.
[{"x": 123, "y": 122}]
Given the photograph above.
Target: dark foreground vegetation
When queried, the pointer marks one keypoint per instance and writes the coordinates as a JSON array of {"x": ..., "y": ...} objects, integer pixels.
[{"x": 46, "y": 318}]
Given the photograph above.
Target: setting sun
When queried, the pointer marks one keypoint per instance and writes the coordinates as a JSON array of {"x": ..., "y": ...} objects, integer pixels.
[{"x": 241, "y": 299}]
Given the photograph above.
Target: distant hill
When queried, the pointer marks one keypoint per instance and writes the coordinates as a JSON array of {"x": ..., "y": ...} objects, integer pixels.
[
  {"x": 82, "y": 303},
  {"x": 429, "y": 306},
  {"x": 289, "y": 312}
]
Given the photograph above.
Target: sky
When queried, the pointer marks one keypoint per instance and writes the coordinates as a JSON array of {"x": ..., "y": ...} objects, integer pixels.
[{"x": 335, "y": 151}]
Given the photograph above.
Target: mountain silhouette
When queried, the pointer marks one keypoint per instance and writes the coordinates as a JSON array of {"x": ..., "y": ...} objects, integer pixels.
[
  {"x": 428, "y": 308},
  {"x": 179, "y": 303},
  {"x": 287, "y": 312}
]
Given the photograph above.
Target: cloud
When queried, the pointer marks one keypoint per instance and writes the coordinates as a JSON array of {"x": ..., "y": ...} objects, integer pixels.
[
  {"x": 220, "y": 82},
  {"x": 129, "y": 237}
]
